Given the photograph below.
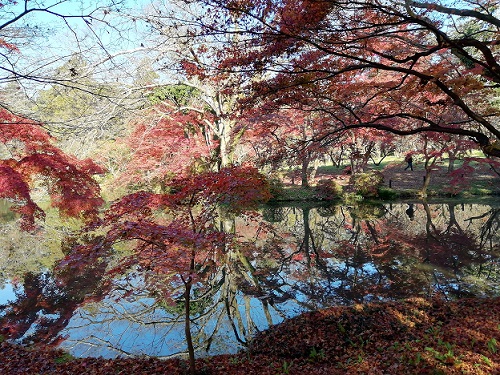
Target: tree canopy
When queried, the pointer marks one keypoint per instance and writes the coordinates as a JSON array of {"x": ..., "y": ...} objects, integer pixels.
[{"x": 403, "y": 67}]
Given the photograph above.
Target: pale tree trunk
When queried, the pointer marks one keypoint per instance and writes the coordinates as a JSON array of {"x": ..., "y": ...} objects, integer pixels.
[
  {"x": 225, "y": 145},
  {"x": 353, "y": 165},
  {"x": 429, "y": 164},
  {"x": 427, "y": 168},
  {"x": 226, "y": 224},
  {"x": 314, "y": 169},
  {"x": 365, "y": 158}
]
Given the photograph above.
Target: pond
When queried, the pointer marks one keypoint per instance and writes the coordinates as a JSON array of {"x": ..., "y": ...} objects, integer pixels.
[{"x": 308, "y": 257}]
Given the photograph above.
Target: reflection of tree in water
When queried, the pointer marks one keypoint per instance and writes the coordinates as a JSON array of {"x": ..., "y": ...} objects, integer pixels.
[
  {"x": 46, "y": 301},
  {"x": 370, "y": 254},
  {"x": 222, "y": 315},
  {"x": 490, "y": 230},
  {"x": 273, "y": 214},
  {"x": 346, "y": 265},
  {"x": 305, "y": 261},
  {"x": 464, "y": 264}
]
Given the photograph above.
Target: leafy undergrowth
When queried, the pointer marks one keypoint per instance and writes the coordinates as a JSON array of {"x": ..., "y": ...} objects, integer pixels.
[{"x": 415, "y": 336}]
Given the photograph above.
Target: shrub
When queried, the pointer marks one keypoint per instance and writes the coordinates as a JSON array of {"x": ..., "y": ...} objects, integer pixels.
[
  {"x": 328, "y": 190},
  {"x": 387, "y": 193},
  {"x": 367, "y": 184},
  {"x": 350, "y": 198},
  {"x": 276, "y": 187}
]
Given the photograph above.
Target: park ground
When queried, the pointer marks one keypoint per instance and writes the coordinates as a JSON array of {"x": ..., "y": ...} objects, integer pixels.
[{"x": 482, "y": 181}]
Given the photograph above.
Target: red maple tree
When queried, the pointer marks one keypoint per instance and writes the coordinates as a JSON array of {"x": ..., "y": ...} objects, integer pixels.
[
  {"x": 31, "y": 160},
  {"x": 166, "y": 142},
  {"x": 176, "y": 236},
  {"x": 390, "y": 66}
]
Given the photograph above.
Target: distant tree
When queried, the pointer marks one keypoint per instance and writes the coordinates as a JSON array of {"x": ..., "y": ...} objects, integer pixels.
[
  {"x": 63, "y": 57},
  {"x": 280, "y": 139},
  {"x": 83, "y": 109},
  {"x": 146, "y": 76}
]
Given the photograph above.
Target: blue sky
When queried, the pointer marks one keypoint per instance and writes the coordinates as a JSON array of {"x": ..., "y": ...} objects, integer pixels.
[{"x": 57, "y": 38}]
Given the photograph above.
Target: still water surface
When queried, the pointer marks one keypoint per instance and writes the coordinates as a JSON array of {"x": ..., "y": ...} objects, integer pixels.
[{"x": 308, "y": 258}]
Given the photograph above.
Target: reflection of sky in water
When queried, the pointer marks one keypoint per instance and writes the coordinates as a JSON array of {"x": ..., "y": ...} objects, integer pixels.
[
  {"x": 112, "y": 328},
  {"x": 7, "y": 294}
]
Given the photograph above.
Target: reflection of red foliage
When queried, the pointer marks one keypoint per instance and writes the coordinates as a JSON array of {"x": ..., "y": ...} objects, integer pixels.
[
  {"x": 47, "y": 302},
  {"x": 176, "y": 237}
]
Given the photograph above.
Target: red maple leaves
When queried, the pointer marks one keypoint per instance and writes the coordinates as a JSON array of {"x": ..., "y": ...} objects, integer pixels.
[
  {"x": 31, "y": 162},
  {"x": 165, "y": 143}
]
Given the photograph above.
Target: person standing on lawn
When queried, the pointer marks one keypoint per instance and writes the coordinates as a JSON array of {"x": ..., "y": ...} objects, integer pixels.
[{"x": 409, "y": 160}]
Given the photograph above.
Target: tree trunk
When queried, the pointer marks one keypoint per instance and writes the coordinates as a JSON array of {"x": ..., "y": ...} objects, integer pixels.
[
  {"x": 187, "y": 317},
  {"x": 303, "y": 172},
  {"x": 225, "y": 159},
  {"x": 353, "y": 166},
  {"x": 225, "y": 144},
  {"x": 427, "y": 181},
  {"x": 314, "y": 170},
  {"x": 451, "y": 162}
]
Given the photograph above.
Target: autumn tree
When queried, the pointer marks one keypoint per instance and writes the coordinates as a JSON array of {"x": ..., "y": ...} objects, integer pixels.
[
  {"x": 176, "y": 235},
  {"x": 280, "y": 139},
  {"x": 29, "y": 161},
  {"x": 362, "y": 146},
  {"x": 184, "y": 59},
  {"x": 433, "y": 148},
  {"x": 390, "y": 66},
  {"x": 168, "y": 140}
]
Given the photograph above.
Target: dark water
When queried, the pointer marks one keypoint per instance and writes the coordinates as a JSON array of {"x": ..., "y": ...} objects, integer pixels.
[{"x": 306, "y": 258}]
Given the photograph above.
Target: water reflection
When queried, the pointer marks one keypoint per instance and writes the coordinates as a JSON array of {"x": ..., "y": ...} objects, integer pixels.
[{"x": 302, "y": 259}]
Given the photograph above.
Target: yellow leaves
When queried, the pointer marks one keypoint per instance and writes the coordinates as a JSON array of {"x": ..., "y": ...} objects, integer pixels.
[{"x": 358, "y": 307}]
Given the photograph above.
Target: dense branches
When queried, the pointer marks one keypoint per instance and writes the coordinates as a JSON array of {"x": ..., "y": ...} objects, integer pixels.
[
  {"x": 405, "y": 68},
  {"x": 19, "y": 26}
]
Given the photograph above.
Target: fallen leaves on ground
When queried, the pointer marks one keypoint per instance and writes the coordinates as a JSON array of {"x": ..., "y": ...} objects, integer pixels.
[{"x": 415, "y": 336}]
